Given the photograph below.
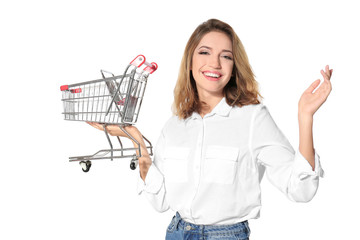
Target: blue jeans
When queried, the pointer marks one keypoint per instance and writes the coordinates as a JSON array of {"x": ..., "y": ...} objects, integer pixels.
[{"x": 181, "y": 230}]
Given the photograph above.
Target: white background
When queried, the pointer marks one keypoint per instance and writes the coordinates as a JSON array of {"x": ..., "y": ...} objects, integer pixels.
[{"x": 46, "y": 44}]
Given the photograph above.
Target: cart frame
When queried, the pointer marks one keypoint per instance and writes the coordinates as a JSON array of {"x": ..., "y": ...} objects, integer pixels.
[{"x": 114, "y": 100}]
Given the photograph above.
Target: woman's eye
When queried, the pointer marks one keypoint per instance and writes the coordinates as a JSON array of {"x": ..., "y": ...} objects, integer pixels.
[
  {"x": 228, "y": 57},
  {"x": 203, "y": 53}
]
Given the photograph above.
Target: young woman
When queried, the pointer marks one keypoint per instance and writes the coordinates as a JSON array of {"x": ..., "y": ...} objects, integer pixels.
[{"x": 212, "y": 154}]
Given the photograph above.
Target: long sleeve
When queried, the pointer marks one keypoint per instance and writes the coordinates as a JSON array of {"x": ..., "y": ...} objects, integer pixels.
[
  {"x": 154, "y": 187},
  {"x": 286, "y": 169}
]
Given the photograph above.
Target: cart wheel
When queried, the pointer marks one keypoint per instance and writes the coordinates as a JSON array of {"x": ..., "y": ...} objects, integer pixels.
[
  {"x": 133, "y": 164},
  {"x": 85, "y": 166}
]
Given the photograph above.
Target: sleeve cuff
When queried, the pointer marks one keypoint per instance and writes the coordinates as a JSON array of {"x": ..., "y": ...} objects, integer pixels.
[
  {"x": 303, "y": 169},
  {"x": 153, "y": 181}
]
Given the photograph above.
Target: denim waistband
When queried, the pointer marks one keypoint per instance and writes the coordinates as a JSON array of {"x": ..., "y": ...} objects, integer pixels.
[{"x": 210, "y": 229}]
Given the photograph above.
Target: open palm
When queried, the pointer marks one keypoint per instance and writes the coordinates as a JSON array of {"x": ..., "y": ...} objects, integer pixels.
[{"x": 311, "y": 101}]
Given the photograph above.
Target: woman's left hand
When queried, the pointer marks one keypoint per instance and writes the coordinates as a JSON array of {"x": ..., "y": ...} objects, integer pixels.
[
  {"x": 115, "y": 130},
  {"x": 311, "y": 101}
]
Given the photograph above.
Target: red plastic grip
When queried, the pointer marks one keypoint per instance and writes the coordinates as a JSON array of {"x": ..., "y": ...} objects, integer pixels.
[
  {"x": 64, "y": 87},
  {"x": 151, "y": 69},
  {"x": 76, "y": 90},
  {"x": 138, "y": 61}
]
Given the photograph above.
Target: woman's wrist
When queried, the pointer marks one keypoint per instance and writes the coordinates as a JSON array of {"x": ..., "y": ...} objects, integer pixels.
[
  {"x": 305, "y": 117},
  {"x": 304, "y": 113},
  {"x": 145, "y": 163}
]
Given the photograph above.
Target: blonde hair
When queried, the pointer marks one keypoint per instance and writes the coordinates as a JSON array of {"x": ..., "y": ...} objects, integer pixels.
[{"x": 242, "y": 89}]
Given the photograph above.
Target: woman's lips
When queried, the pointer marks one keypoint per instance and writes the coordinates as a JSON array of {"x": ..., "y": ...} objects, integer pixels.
[{"x": 212, "y": 75}]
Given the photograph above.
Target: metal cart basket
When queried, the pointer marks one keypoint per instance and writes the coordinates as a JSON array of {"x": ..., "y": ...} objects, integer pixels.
[{"x": 114, "y": 100}]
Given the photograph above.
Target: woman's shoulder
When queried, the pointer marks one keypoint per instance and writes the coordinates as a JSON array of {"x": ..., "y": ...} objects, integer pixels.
[
  {"x": 248, "y": 109},
  {"x": 259, "y": 112}
]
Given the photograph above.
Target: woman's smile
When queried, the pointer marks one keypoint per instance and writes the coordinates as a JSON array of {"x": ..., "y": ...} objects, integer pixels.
[{"x": 212, "y": 75}]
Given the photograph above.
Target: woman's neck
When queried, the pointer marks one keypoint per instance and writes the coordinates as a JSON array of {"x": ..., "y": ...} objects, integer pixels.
[{"x": 210, "y": 101}]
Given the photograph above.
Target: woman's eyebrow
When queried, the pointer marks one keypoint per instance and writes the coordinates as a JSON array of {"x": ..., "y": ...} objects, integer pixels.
[
  {"x": 224, "y": 50},
  {"x": 205, "y": 47}
]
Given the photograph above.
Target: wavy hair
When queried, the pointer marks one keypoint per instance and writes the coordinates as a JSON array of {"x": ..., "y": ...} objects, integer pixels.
[{"x": 242, "y": 88}]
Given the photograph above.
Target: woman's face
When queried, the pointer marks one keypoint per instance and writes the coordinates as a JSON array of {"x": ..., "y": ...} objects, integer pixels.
[{"x": 212, "y": 64}]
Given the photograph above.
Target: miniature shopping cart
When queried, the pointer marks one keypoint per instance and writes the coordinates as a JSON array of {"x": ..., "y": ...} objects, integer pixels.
[{"x": 114, "y": 100}]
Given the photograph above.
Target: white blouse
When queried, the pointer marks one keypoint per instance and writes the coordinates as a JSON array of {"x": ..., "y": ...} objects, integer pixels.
[{"x": 209, "y": 169}]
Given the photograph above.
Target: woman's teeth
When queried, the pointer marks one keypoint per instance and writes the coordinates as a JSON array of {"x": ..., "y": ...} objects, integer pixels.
[{"x": 214, "y": 75}]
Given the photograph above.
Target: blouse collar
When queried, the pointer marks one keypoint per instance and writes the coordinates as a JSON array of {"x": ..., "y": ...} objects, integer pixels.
[{"x": 221, "y": 109}]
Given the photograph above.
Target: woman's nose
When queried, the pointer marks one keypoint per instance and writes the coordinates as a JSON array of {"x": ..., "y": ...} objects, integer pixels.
[{"x": 214, "y": 62}]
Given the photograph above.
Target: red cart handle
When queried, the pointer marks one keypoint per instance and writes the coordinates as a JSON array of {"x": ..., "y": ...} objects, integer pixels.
[
  {"x": 140, "y": 60},
  {"x": 64, "y": 87},
  {"x": 151, "y": 68}
]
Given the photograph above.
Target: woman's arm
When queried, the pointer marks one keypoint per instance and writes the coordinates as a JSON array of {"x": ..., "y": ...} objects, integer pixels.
[
  {"x": 309, "y": 103},
  {"x": 306, "y": 145},
  {"x": 114, "y": 130},
  {"x": 154, "y": 187}
]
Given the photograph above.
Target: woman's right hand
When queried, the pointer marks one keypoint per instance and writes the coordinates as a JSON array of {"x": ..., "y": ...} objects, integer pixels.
[{"x": 114, "y": 130}]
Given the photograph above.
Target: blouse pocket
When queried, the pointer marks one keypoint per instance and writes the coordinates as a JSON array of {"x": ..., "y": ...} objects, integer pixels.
[
  {"x": 176, "y": 164},
  {"x": 220, "y": 164}
]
